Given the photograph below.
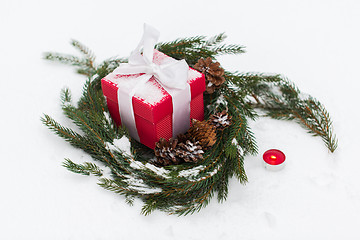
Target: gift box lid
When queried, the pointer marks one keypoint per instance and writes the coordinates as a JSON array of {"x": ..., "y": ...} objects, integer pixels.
[{"x": 151, "y": 101}]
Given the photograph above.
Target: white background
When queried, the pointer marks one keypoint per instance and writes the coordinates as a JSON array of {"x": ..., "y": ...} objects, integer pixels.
[{"x": 314, "y": 43}]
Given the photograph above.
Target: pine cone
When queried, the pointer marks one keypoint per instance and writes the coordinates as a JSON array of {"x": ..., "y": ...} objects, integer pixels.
[
  {"x": 182, "y": 138},
  {"x": 213, "y": 73},
  {"x": 190, "y": 151},
  {"x": 165, "y": 152},
  {"x": 220, "y": 120},
  {"x": 203, "y": 132}
]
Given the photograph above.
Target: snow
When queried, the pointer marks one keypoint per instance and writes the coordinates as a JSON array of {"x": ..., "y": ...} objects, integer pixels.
[
  {"x": 222, "y": 120},
  {"x": 107, "y": 117},
  {"x": 122, "y": 144},
  {"x": 144, "y": 92},
  {"x": 212, "y": 173},
  {"x": 192, "y": 172},
  {"x": 240, "y": 149},
  {"x": 139, "y": 185},
  {"x": 221, "y": 101},
  {"x": 313, "y": 43},
  {"x": 193, "y": 74},
  {"x": 67, "y": 104},
  {"x": 136, "y": 164},
  {"x": 159, "y": 171}
]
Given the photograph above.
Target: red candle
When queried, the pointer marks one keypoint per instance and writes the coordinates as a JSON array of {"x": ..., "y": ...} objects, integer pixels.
[{"x": 274, "y": 159}]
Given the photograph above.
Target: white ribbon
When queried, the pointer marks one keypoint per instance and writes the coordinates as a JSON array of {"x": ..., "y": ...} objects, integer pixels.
[{"x": 171, "y": 75}]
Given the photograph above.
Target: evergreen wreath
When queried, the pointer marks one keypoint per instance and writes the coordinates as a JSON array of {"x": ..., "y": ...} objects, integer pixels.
[{"x": 186, "y": 187}]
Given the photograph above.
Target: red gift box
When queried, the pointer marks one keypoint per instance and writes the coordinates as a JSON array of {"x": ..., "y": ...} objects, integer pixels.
[{"x": 153, "y": 107}]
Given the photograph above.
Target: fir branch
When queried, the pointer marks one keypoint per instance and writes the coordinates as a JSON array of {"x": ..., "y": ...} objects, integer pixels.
[
  {"x": 194, "y": 48},
  {"x": 92, "y": 99},
  {"x": 81, "y": 119},
  {"x": 198, "y": 203},
  {"x": 86, "y": 168},
  {"x": 149, "y": 207},
  {"x": 130, "y": 200},
  {"x": 240, "y": 170},
  {"x": 180, "y": 43},
  {"x": 65, "y": 59},
  {"x": 65, "y": 96},
  {"x": 111, "y": 185},
  {"x": 283, "y": 100},
  {"x": 86, "y": 63},
  {"x": 68, "y": 134},
  {"x": 109, "y": 66},
  {"x": 228, "y": 49},
  {"x": 222, "y": 183},
  {"x": 88, "y": 54},
  {"x": 74, "y": 138},
  {"x": 247, "y": 141},
  {"x": 215, "y": 40},
  {"x": 231, "y": 151},
  {"x": 313, "y": 116}
]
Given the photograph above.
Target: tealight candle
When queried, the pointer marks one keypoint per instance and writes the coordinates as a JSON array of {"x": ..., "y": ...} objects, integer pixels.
[{"x": 274, "y": 159}]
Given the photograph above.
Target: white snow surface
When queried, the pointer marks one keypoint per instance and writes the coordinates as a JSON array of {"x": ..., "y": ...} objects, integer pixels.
[{"x": 313, "y": 43}]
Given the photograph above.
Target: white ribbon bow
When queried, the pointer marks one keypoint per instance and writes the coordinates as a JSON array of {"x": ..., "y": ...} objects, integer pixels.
[{"x": 171, "y": 75}]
